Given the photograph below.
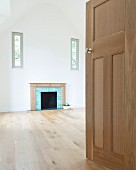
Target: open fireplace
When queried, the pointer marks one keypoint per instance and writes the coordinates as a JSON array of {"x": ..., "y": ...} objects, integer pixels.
[
  {"x": 47, "y": 95},
  {"x": 48, "y": 100}
]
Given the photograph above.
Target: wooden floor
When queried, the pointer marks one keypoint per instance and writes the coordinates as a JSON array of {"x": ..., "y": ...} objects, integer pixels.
[{"x": 44, "y": 140}]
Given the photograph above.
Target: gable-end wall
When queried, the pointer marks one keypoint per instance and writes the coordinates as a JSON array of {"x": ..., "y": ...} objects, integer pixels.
[{"x": 47, "y": 34}]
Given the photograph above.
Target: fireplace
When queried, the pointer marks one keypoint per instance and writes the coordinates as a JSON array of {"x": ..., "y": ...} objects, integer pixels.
[
  {"x": 41, "y": 93},
  {"x": 48, "y": 100}
]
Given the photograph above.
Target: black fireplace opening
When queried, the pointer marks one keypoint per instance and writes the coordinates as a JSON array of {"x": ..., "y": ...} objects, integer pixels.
[{"x": 48, "y": 100}]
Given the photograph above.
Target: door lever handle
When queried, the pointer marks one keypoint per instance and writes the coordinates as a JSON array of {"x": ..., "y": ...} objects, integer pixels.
[{"x": 89, "y": 50}]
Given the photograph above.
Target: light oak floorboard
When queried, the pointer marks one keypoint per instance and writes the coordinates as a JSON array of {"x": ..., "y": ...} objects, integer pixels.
[{"x": 44, "y": 140}]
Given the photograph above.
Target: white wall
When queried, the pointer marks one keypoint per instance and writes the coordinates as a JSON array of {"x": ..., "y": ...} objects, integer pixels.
[{"x": 47, "y": 32}]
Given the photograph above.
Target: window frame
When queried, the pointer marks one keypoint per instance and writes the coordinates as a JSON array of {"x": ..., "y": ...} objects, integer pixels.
[
  {"x": 13, "y": 49},
  {"x": 77, "y": 53}
]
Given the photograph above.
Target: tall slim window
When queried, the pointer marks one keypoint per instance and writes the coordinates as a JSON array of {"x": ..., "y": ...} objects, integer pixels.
[
  {"x": 74, "y": 54},
  {"x": 17, "y": 50}
]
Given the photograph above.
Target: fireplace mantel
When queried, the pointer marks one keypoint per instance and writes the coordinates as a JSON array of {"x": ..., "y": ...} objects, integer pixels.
[{"x": 33, "y": 87}]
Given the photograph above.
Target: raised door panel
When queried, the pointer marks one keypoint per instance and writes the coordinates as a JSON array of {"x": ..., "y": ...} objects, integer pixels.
[
  {"x": 107, "y": 103},
  {"x": 98, "y": 103},
  {"x": 108, "y": 18},
  {"x": 118, "y": 104}
]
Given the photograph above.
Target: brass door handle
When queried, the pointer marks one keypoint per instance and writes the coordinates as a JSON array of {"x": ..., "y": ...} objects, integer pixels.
[{"x": 89, "y": 50}]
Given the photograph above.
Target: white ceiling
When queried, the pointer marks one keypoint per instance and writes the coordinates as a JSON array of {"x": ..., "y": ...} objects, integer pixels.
[
  {"x": 4, "y": 10},
  {"x": 72, "y": 9}
]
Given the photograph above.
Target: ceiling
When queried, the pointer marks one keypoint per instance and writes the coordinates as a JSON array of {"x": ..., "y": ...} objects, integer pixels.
[
  {"x": 72, "y": 9},
  {"x": 4, "y": 10}
]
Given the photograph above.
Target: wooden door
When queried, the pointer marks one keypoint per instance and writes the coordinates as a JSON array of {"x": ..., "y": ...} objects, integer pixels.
[{"x": 105, "y": 117}]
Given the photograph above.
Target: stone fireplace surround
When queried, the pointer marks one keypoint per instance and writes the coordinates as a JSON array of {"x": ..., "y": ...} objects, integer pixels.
[{"x": 43, "y": 87}]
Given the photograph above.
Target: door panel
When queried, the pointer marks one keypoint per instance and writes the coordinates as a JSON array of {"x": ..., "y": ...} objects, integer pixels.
[
  {"x": 105, "y": 82},
  {"x": 118, "y": 103},
  {"x": 108, "y": 159},
  {"x": 108, "y": 18},
  {"x": 107, "y": 105},
  {"x": 98, "y": 103}
]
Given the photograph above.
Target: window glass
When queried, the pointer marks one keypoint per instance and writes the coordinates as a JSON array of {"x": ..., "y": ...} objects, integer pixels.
[
  {"x": 17, "y": 50},
  {"x": 74, "y": 54}
]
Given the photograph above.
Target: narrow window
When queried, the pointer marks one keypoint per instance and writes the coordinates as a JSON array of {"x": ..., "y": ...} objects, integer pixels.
[
  {"x": 74, "y": 54},
  {"x": 17, "y": 50}
]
